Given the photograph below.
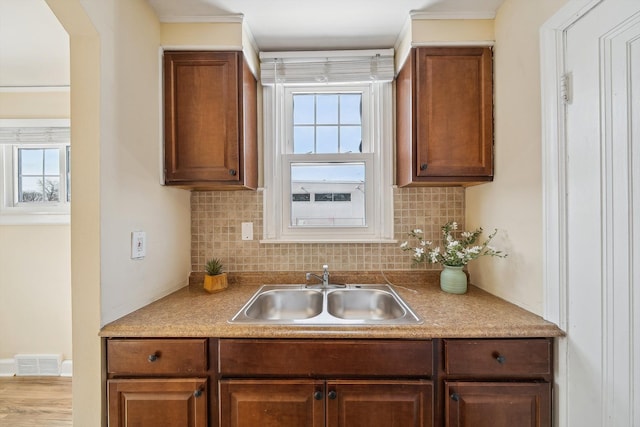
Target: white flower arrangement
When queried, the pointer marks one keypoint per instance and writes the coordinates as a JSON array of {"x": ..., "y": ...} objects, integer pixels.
[{"x": 456, "y": 252}]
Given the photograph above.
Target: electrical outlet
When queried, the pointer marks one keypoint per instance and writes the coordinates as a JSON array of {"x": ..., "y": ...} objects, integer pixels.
[
  {"x": 247, "y": 231},
  {"x": 138, "y": 244}
]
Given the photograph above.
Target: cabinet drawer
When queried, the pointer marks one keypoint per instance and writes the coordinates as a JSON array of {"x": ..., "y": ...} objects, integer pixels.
[
  {"x": 156, "y": 357},
  {"x": 498, "y": 358},
  {"x": 323, "y": 358}
]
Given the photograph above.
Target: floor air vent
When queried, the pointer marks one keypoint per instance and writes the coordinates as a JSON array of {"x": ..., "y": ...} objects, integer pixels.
[{"x": 38, "y": 364}]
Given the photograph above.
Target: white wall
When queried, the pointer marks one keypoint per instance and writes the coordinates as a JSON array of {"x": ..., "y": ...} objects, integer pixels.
[
  {"x": 131, "y": 196},
  {"x": 513, "y": 201}
]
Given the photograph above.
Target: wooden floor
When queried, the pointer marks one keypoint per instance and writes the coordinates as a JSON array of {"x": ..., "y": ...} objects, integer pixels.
[{"x": 35, "y": 402}]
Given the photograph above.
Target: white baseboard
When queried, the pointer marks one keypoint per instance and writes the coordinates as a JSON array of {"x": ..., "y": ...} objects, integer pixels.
[
  {"x": 66, "y": 368},
  {"x": 7, "y": 367}
]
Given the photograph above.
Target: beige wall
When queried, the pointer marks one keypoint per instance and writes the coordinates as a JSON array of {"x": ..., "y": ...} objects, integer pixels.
[
  {"x": 35, "y": 290},
  {"x": 513, "y": 202},
  {"x": 442, "y": 32},
  {"x": 35, "y": 261},
  {"x": 225, "y": 35},
  {"x": 28, "y": 105}
]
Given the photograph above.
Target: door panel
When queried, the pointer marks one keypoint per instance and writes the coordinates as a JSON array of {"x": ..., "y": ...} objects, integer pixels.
[
  {"x": 158, "y": 402},
  {"x": 602, "y": 215},
  {"x": 271, "y": 403},
  {"x": 471, "y": 404},
  {"x": 379, "y": 404}
]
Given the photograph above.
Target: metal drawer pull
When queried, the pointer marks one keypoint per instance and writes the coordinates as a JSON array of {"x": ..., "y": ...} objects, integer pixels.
[
  {"x": 153, "y": 357},
  {"x": 232, "y": 172},
  {"x": 455, "y": 397},
  {"x": 500, "y": 358}
]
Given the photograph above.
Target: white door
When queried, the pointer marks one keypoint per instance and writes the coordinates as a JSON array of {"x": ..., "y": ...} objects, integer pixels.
[{"x": 602, "y": 60}]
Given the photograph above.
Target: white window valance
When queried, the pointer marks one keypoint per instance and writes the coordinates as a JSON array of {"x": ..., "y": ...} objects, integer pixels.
[
  {"x": 346, "y": 66},
  {"x": 26, "y": 135}
]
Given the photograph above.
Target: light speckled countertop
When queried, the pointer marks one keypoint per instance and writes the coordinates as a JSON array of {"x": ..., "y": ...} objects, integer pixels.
[{"x": 192, "y": 312}]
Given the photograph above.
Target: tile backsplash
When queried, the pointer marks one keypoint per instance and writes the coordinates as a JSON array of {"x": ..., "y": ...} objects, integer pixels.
[{"x": 216, "y": 218}]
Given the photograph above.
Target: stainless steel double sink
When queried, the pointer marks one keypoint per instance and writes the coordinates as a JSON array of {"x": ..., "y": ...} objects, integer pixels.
[{"x": 348, "y": 305}]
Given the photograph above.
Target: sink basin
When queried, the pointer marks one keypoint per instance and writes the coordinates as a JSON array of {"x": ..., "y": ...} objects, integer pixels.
[
  {"x": 366, "y": 304},
  {"x": 286, "y": 304},
  {"x": 351, "y": 305}
]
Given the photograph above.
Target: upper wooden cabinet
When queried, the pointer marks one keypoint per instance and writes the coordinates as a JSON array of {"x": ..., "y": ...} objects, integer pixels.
[
  {"x": 444, "y": 107},
  {"x": 209, "y": 121}
]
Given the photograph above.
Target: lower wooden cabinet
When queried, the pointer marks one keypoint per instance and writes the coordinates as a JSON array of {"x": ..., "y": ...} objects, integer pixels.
[
  {"x": 497, "y": 382},
  {"x": 164, "y": 402},
  {"x": 158, "y": 382},
  {"x": 230, "y": 382},
  {"x": 494, "y": 404},
  {"x": 316, "y": 403}
]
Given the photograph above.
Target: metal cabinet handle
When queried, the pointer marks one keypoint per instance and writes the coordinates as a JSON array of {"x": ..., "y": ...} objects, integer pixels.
[
  {"x": 232, "y": 172},
  {"x": 332, "y": 395},
  {"x": 317, "y": 395},
  {"x": 198, "y": 392},
  {"x": 153, "y": 357},
  {"x": 455, "y": 397},
  {"x": 423, "y": 167}
]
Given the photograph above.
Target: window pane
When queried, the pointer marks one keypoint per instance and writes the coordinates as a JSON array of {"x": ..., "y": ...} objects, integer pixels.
[
  {"x": 31, "y": 161},
  {"x": 327, "y": 141},
  {"x": 350, "y": 139},
  {"x": 39, "y": 175},
  {"x": 327, "y": 109},
  {"x": 350, "y": 109},
  {"x": 336, "y": 194},
  {"x": 303, "y": 109},
  {"x": 52, "y": 189},
  {"x": 52, "y": 161},
  {"x": 31, "y": 190},
  {"x": 303, "y": 139}
]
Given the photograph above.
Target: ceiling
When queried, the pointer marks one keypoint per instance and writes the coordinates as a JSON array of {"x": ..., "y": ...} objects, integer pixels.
[
  {"x": 34, "y": 47},
  {"x": 326, "y": 24}
]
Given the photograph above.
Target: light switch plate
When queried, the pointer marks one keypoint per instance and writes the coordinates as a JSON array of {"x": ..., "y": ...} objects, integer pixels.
[
  {"x": 247, "y": 231},
  {"x": 138, "y": 244}
]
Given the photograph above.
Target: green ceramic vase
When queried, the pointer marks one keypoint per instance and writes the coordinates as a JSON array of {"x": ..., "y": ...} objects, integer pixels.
[{"x": 453, "y": 280}]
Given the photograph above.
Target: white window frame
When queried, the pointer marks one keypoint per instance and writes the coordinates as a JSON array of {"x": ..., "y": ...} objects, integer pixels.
[
  {"x": 377, "y": 135},
  {"x": 13, "y": 212}
]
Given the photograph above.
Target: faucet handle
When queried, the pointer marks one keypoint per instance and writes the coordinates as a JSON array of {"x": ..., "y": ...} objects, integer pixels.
[{"x": 325, "y": 267}]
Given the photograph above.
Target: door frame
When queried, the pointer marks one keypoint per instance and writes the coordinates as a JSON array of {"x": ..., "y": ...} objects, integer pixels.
[{"x": 554, "y": 91}]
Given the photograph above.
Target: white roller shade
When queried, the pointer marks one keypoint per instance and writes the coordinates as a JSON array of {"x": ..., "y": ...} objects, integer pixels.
[{"x": 326, "y": 67}]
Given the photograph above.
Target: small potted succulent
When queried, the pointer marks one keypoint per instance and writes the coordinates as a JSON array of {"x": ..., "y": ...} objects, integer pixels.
[{"x": 214, "y": 280}]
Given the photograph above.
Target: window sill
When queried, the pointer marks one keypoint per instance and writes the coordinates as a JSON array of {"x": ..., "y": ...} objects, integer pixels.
[{"x": 303, "y": 241}]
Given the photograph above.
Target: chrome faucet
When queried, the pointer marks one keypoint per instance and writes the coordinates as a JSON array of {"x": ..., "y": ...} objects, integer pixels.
[{"x": 325, "y": 276}]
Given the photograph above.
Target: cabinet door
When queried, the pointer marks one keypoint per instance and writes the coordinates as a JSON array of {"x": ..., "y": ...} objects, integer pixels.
[
  {"x": 486, "y": 404},
  {"x": 157, "y": 402},
  {"x": 379, "y": 403},
  {"x": 454, "y": 96},
  {"x": 444, "y": 110},
  {"x": 202, "y": 117},
  {"x": 271, "y": 403}
]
